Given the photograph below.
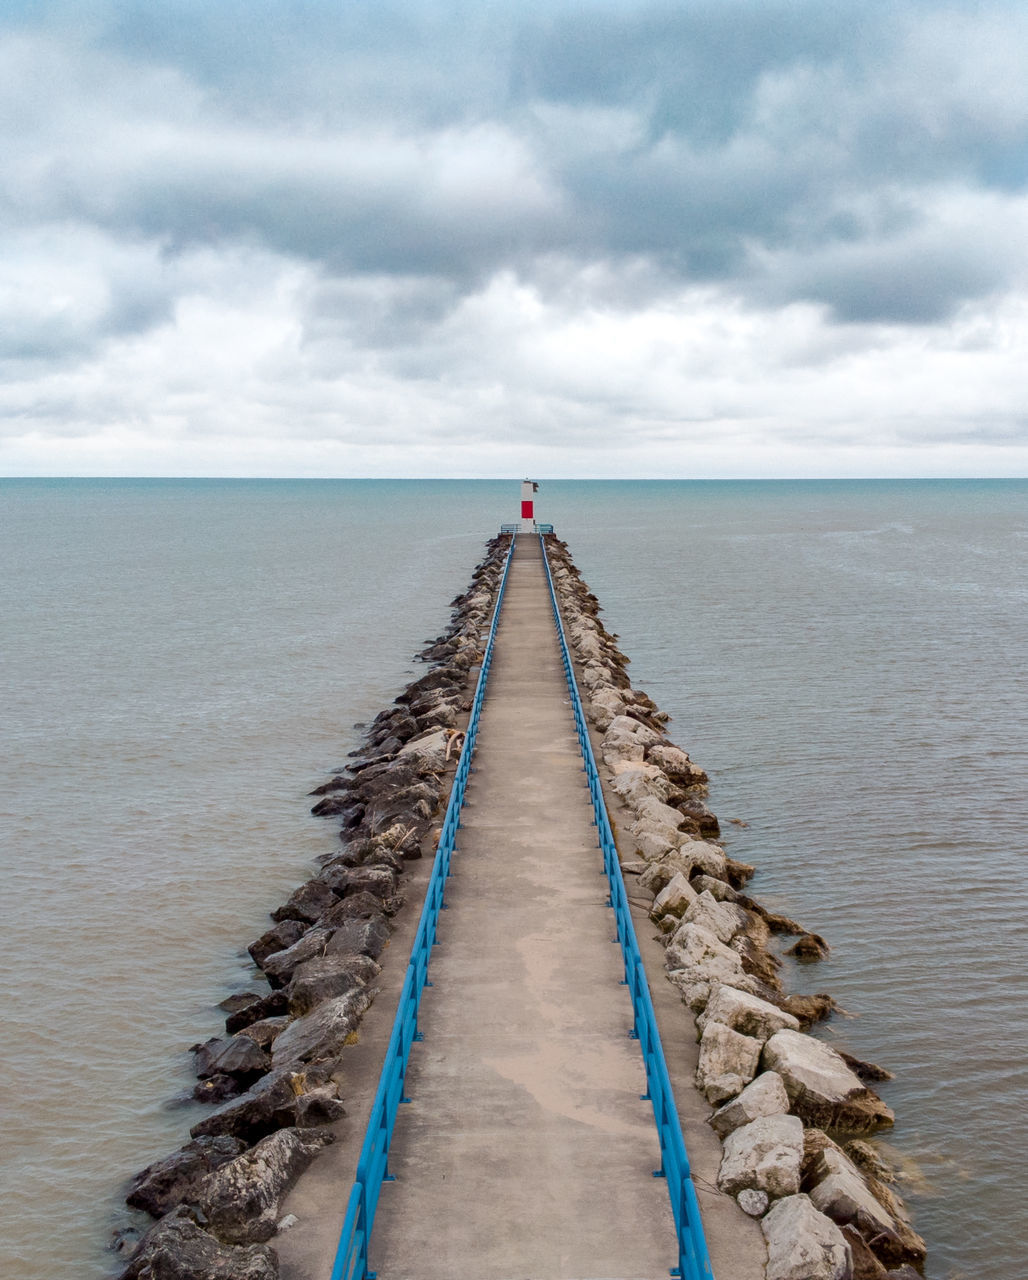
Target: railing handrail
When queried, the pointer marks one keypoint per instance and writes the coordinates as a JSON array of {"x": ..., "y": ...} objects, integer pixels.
[
  {"x": 351, "y": 1261},
  {"x": 693, "y": 1258}
]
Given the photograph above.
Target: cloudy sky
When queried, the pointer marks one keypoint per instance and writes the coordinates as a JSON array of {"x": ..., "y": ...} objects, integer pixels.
[{"x": 690, "y": 238}]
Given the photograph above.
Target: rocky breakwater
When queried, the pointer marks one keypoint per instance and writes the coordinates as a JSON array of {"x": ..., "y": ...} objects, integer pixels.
[
  {"x": 792, "y": 1113},
  {"x": 273, "y": 1083}
]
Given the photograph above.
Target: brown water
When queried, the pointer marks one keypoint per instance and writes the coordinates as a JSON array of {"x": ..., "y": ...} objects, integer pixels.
[{"x": 183, "y": 661}]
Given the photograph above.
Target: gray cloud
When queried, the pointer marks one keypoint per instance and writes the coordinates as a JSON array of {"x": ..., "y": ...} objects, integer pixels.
[{"x": 451, "y": 213}]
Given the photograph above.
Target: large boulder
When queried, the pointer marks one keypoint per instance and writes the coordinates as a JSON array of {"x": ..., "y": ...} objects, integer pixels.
[
  {"x": 676, "y": 764},
  {"x": 654, "y": 810},
  {"x": 821, "y": 1087},
  {"x": 746, "y": 1013},
  {"x": 765, "y": 1154},
  {"x": 674, "y": 899},
  {"x": 838, "y": 1188},
  {"x": 282, "y": 935},
  {"x": 269, "y": 1105},
  {"x": 177, "y": 1249},
  {"x": 322, "y": 1033},
  {"x": 728, "y": 1061},
  {"x": 696, "y": 960},
  {"x": 307, "y": 903},
  {"x": 722, "y": 919},
  {"x": 278, "y": 968},
  {"x": 239, "y": 1056},
  {"x": 363, "y": 937},
  {"x": 240, "y": 1199},
  {"x": 764, "y": 1096},
  {"x": 328, "y": 976},
  {"x": 802, "y": 1244},
  {"x": 161, "y": 1186}
]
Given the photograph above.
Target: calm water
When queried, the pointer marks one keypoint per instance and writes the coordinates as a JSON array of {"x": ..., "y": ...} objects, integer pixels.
[{"x": 183, "y": 661}]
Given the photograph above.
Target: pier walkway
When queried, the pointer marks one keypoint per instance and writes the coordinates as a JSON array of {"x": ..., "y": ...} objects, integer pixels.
[
  {"x": 526, "y": 1149},
  {"x": 526, "y": 1146}
]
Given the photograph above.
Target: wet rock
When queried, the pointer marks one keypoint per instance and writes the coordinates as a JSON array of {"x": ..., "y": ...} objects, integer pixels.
[
  {"x": 764, "y": 1096},
  {"x": 307, "y": 903},
  {"x": 326, "y": 977},
  {"x": 177, "y": 1249},
  {"x": 241, "y": 1198},
  {"x": 802, "y": 1244},
  {"x": 239, "y": 1000},
  {"x": 271, "y": 1006},
  {"x": 269, "y": 1105},
  {"x": 865, "y": 1265},
  {"x": 728, "y": 1061},
  {"x": 869, "y": 1161},
  {"x": 322, "y": 1033},
  {"x": 776, "y": 923},
  {"x": 836, "y": 1187},
  {"x": 697, "y": 812},
  {"x": 161, "y": 1186},
  {"x": 346, "y": 881},
  {"x": 280, "y": 937},
  {"x": 810, "y": 946},
  {"x": 738, "y": 874},
  {"x": 358, "y": 906},
  {"x": 758, "y": 961},
  {"x": 808, "y": 1009},
  {"x": 865, "y": 1070},
  {"x": 361, "y": 937},
  {"x": 239, "y": 1056},
  {"x": 821, "y": 1088},
  {"x": 676, "y": 764},
  {"x": 215, "y": 1089},
  {"x": 266, "y": 1030},
  {"x": 764, "y": 1154},
  {"x": 279, "y": 968}
]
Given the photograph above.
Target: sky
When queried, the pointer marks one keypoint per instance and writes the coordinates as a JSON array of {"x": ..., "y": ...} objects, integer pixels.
[{"x": 694, "y": 239}]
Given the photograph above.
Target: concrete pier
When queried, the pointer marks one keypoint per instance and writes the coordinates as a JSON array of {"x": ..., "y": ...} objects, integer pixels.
[{"x": 526, "y": 1151}]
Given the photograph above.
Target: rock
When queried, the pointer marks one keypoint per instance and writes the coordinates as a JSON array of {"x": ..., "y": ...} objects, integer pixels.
[
  {"x": 727, "y": 1062},
  {"x": 269, "y": 1105},
  {"x": 865, "y": 1070},
  {"x": 810, "y": 946},
  {"x": 764, "y": 1096},
  {"x": 656, "y": 875},
  {"x": 319, "y": 1106},
  {"x": 802, "y": 1244},
  {"x": 752, "y": 1201},
  {"x": 325, "y": 977},
  {"x": 719, "y": 918},
  {"x": 359, "y": 906},
  {"x": 865, "y": 1265},
  {"x": 239, "y": 1056},
  {"x": 239, "y": 1000},
  {"x": 696, "y": 812},
  {"x": 271, "y": 1006},
  {"x": 322, "y": 1033},
  {"x": 622, "y": 727},
  {"x": 177, "y": 1249},
  {"x": 279, "y": 968},
  {"x": 676, "y": 764},
  {"x": 364, "y": 937},
  {"x": 746, "y": 1014},
  {"x": 347, "y": 881},
  {"x": 284, "y": 1224},
  {"x": 428, "y": 750},
  {"x": 161, "y": 1186},
  {"x": 241, "y": 1198},
  {"x": 837, "y": 1187},
  {"x": 654, "y": 810},
  {"x": 765, "y": 1154},
  {"x": 756, "y": 959},
  {"x": 821, "y": 1088},
  {"x": 216, "y": 1089},
  {"x": 674, "y": 899},
  {"x": 720, "y": 890},
  {"x": 266, "y": 1030},
  {"x": 808, "y": 1009},
  {"x": 706, "y": 858},
  {"x": 283, "y": 935},
  {"x": 738, "y": 873},
  {"x": 868, "y": 1161},
  {"x": 654, "y": 847}
]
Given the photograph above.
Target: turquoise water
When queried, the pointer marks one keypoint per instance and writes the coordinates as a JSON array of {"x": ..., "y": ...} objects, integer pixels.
[{"x": 184, "y": 660}]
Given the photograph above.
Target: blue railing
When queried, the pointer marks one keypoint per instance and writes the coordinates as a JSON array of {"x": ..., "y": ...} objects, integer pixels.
[
  {"x": 351, "y": 1262},
  {"x": 693, "y": 1259}
]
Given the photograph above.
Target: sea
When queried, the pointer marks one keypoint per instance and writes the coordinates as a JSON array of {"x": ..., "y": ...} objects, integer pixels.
[{"x": 184, "y": 660}]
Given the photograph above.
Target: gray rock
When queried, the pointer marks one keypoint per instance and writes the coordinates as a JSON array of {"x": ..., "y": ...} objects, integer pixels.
[
  {"x": 161, "y": 1186},
  {"x": 269, "y": 1105},
  {"x": 676, "y": 764},
  {"x": 177, "y": 1249},
  {"x": 276, "y": 939},
  {"x": 764, "y": 1096},
  {"x": 728, "y": 1061},
  {"x": 802, "y": 1244},
  {"x": 752, "y": 1201},
  {"x": 278, "y": 968},
  {"x": 838, "y": 1188},
  {"x": 241, "y": 1198},
  {"x": 239, "y": 1056},
  {"x": 307, "y": 903},
  {"x": 360, "y": 937},
  {"x": 746, "y": 1013},
  {"x": 322, "y": 1033},
  {"x": 765, "y": 1154},
  {"x": 821, "y": 1088},
  {"x": 325, "y": 977},
  {"x": 674, "y": 899},
  {"x": 654, "y": 810}
]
